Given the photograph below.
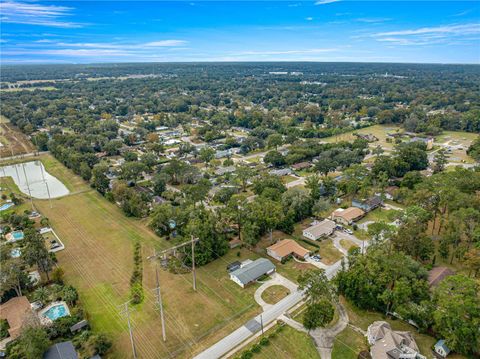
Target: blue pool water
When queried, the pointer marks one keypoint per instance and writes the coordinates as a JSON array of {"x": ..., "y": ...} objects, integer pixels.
[
  {"x": 6, "y": 206},
  {"x": 56, "y": 311},
  {"x": 17, "y": 235}
]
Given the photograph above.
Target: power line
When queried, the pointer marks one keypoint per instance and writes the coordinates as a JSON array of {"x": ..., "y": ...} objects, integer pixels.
[
  {"x": 159, "y": 300},
  {"x": 126, "y": 312}
]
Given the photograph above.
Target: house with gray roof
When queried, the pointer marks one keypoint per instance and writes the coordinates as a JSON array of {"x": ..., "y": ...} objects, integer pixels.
[
  {"x": 441, "y": 348},
  {"x": 252, "y": 271}
]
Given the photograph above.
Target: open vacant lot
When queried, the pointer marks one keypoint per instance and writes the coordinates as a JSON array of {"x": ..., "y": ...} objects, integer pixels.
[
  {"x": 13, "y": 141},
  {"x": 288, "y": 343},
  {"x": 379, "y": 131},
  {"x": 98, "y": 260}
]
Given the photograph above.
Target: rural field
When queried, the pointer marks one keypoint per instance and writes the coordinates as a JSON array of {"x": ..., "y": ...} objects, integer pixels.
[
  {"x": 98, "y": 260},
  {"x": 13, "y": 141}
]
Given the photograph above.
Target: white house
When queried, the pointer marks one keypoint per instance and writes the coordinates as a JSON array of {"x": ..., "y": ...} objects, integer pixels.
[{"x": 319, "y": 230}]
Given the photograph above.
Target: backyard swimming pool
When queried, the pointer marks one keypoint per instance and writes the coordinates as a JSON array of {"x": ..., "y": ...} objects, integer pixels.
[
  {"x": 55, "y": 311},
  {"x": 6, "y": 206},
  {"x": 17, "y": 235},
  {"x": 14, "y": 236}
]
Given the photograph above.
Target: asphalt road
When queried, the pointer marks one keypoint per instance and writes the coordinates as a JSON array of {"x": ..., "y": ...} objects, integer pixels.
[{"x": 253, "y": 326}]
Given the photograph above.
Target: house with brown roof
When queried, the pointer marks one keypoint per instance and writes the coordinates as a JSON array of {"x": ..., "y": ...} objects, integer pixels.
[
  {"x": 319, "y": 230},
  {"x": 15, "y": 312},
  {"x": 347, "y": 216},
  {"x": 386, "y": 343},
  {"x": 301, "y": 166},
  {"x": 285, "y": 248},
  {"x": 437, "y": 274}
]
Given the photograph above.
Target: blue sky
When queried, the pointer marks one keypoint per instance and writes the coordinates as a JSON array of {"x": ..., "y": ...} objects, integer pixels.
[{"x": 324, "y": 30}]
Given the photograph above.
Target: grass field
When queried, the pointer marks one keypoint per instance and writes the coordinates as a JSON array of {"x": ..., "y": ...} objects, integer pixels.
[
  {"x": 348, "y": 344},
  {"x": 275, "y": 293},
  {"x": 18, "y": 89},
  {"x": 379, "y": 131},
  {"x": 287, "y": 344},
  {"x": 328, "y": 252},
  {"x": 98, "y": 261},
  {"x": 345, "y": 243}
]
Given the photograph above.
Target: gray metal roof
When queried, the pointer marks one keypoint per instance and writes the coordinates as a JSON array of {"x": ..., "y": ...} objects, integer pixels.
[
  {"x": 254, "y": 270},
  {"x": 64, "y": 350}
]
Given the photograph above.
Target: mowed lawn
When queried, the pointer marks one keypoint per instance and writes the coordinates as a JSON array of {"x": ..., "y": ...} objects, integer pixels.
[
  {"x": 98, "y": 260},
  {"x": 287, "y": 344}
]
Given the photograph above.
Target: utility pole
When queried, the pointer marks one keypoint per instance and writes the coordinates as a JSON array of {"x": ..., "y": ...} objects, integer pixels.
[
  {"x": 159, "y": 299},
  {"x": 193, "y": 265},
  {"x": 28, "y": 186},
  {"x": 126, "y": 311},
  {"x": 46, "y": 184}
]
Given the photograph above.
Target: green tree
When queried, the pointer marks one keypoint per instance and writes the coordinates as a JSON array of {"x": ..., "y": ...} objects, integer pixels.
[
  {"x": 207, "y": 154},
  {"x": 13, "y": 277},
  {"x": 244, "y": 174},
  {"x": 131, "y": 171},
  {"x": 457, "y": 313},
  {"x": 274, "y": 140},
  {"x": 33, "y": 342},
  {"x": 314, "y": 184},
  {"x": 439, "y": 161},
  {"x": 275, "y": 158},
  {"x": 316, "y": 286},
  {"x": 35, "y": 252},
  {"x": 99, "y": 178},
  {"x": 318, "y": 314}
]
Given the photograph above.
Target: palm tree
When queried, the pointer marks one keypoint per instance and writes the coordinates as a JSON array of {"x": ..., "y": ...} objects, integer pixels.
[{"x": 41, "y": 294}]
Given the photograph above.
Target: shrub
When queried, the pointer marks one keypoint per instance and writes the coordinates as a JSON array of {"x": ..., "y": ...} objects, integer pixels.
[
  {"x": 264, "y": 341},
  {"x": 57, "y": 275}
]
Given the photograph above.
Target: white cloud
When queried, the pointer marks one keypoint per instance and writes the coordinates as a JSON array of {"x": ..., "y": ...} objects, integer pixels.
[
  {"x": 427, "y": 35},
  {"x": 448, "y": 29},
  {"x": 324, "y": 2},
  {"x": 309, "y": 18},
  {"x": 165, "y": 43},
  {"x": 36, "y": 14}
]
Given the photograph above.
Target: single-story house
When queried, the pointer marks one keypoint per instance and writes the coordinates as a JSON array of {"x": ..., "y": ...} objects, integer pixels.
[
  {"x": 15, "y": 311},
  {"x": 223, "y": 170},
  {"x": 368, "y": 204},
  {"x": 64, "y": 350},
  {"x": 319, "y": 230},
  {"x": 437, "y": 274},
  {"x": 252, "y": 271},
  {"x": 281, "y": 172},
  {"x": 386, "y": 343},
  {"x": 301, "y": 166},
  {"x": 347, "y": 216},
  {"x": 224, "y": 153},
  {"x": 285, "y": 248},
  {"x": 441, "y": 348}
]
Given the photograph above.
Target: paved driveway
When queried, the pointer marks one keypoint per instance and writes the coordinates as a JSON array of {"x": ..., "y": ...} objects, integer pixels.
[{"x": 276, "y": 279}]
